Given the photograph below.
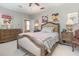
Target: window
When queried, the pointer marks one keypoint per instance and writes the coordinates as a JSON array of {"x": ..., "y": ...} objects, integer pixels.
[{"x": 27, "y": 25}]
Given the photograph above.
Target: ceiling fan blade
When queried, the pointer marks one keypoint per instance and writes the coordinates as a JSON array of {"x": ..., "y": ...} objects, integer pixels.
[
  {"x": 42, "y": 8},
  {"x": 37, "y": 4},
  {"x": 30, "y": 4}
]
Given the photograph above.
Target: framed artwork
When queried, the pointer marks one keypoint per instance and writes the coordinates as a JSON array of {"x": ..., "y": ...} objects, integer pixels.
[
  {"x": 55, "y": 16},
  {"x": 6, "y": 19},
  {"x": 44, "y": 19},
  {"x": 74, "y": 17}
]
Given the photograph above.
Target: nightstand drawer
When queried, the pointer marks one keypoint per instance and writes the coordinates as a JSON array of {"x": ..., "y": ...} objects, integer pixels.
[{"x": 67, "y": 36}]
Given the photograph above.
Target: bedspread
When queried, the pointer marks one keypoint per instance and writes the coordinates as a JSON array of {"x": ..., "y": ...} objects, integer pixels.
[{"x": 48, "y": 39}]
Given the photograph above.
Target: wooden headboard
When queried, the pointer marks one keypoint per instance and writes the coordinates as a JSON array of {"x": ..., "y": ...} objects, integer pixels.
[{"x": 55, "y": 27}]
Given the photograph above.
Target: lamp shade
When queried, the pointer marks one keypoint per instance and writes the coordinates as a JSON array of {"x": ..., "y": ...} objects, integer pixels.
[
  {"x": 36, "y": 24},
  {"x": 69, "y": 22}
]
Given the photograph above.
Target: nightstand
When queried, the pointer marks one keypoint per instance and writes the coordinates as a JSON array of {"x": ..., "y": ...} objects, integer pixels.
[{"x": 67, "y": 37}]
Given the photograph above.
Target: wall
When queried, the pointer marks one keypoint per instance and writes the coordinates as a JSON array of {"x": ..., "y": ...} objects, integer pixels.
[
  {"x": 63, "y": 11},
  {"x": 17, "y": 20},
  {"x": 48, "y": 13}
]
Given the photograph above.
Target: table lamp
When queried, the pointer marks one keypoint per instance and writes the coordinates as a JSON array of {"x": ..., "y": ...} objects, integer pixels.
[{"x": 69, "y": 25}]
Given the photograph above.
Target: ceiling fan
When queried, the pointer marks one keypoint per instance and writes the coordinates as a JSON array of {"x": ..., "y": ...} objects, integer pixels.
[
  {"x": 37, "y": 4},
  {"x": 30, "y": 4}
]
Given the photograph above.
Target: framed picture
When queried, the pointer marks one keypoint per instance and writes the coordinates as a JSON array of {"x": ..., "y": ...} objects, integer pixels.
[
  {"x": 6, "y": 19},
  {"x": 55, "y": 16},
  {"x": 44, "y": 19},
  {"x": 74, "y": 17}
]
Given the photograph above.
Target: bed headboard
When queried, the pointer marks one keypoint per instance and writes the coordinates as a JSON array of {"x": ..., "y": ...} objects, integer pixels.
[{"x": 55, "y": 27}]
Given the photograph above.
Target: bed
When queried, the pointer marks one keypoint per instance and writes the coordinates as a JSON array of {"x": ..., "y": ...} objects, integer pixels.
[{"x": 40, "y": 43}]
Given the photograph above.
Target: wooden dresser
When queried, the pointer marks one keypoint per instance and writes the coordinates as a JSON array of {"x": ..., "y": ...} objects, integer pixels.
[{"x": 8, "y": 34}]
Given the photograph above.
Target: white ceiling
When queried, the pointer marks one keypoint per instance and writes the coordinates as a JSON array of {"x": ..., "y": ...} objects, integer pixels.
[{"x": 24, "y": 7}]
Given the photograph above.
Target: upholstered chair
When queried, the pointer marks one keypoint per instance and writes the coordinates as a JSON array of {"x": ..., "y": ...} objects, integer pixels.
[{"x": 75, "y": 41}]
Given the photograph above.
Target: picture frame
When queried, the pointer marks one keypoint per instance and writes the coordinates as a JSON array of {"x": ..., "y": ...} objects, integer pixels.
[
  {"x": 44, "y": 19},
  {"x": 74, "y": 17},
  {"x": 7, "y": 20},
  {"x": 55, "y": 17}
]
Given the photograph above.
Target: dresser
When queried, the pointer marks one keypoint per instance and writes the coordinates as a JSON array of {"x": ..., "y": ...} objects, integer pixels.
[
  {"x": 67, "y": 37},
  {"x": 8, "y": 34}
]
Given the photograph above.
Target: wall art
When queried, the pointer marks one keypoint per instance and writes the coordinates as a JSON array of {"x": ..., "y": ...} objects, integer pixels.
[
  {"x": 73, "y": 16},
  {"x": 55, "y": 16},
  {"x": 44, "y": 19}
]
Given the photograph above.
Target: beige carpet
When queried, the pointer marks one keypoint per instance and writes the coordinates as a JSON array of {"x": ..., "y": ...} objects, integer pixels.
[
  {"x": 10, "y": 49},
  {"x": 63, "y": 50}
]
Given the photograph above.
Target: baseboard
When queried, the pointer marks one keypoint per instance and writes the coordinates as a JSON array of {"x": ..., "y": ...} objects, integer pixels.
[{"x": 62, "y": 43}]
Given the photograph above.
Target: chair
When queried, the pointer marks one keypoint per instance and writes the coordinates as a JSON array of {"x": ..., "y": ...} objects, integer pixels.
[{"x": 75, "y": 41}]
